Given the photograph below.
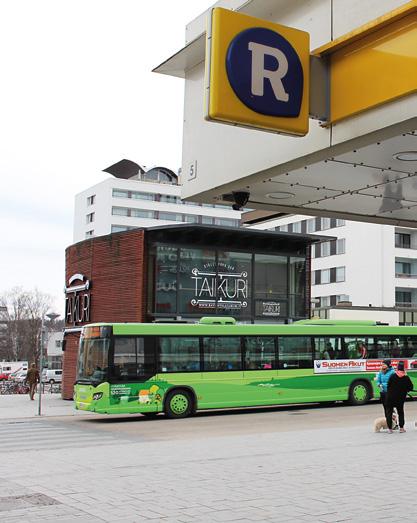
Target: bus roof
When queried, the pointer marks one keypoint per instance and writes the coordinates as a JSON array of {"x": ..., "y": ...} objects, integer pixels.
[
  {"x": 301, "y": 328},
  {"x": 338, "y": 322}
]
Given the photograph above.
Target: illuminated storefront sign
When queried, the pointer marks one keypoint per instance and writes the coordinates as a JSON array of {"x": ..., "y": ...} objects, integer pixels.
[
  {"x": 223, "y": 288},
  {"x": 77, "y": 300}
]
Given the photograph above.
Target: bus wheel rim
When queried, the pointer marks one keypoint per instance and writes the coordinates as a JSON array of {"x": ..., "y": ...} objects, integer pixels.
[
  {"x": 179, "y": 403},
  {"x": 359, "y": 392}
]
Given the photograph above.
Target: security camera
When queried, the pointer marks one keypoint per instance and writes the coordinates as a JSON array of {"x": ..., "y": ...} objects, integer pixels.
[{"x": 240, "y": 198}]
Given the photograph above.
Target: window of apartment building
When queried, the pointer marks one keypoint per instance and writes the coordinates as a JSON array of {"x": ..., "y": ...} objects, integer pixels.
[
  {"x": 311, "y": 225},
  {"x": 191, "y": 218},
  {"x": 90, "y": 217},
  {"x": 141, "y": 213},
  {"x": 340, "y": 246},
  {"x": 91, "y": 199},
  {"x": 329, "y": 248},
  {"x": 325, "y": 249},
  {"x": 340, "y": 274},
  {"x": 332, "y": 275},
  {"x": 342, "y": 297},
  {"x": 120, "y": 211},
  {"x": 403, "y": 298},
  {"x": 325, "y": 276},
  {"x": 226, "y": 222},
  {"x": 402, "y": 268},
  {"x": 120, "y": 193},
  {"x": 402, "y": 240},
  {"x": 119, "y": 228},
  {"x": 325, "y": 224},
  {"x": 89, "y": 234},
  {"x": 331, "y": 301},
  {"x": 136, "y": 195},
  {"x": 168, "y": 198},
  {"x": 170, "y": 216},
  {"x": 296, "y": 227},
  {"x": 324, "y": 301}
]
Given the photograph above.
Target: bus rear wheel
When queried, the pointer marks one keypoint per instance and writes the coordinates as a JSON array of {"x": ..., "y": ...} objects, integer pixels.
[
  {"x": 359, "y": 393},
  {"x": 178, "y": 404}
]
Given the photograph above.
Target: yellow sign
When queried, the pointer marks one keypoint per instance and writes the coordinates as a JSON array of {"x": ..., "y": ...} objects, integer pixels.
[
  {"x": 374, "y": 64},
  {"x": 257, "y": 73}
]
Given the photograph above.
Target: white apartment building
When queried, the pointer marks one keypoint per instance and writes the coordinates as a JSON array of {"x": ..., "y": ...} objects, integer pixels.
[
  {"x": 54, "y": 349},
  {"x": 149, "y": 198},
  {"x": 368, "y": 265}
]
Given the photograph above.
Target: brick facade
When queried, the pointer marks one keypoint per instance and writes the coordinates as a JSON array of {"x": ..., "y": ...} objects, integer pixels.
[
  {"x": 116, "y": 269},
  {"x": 115, "y": 266}
]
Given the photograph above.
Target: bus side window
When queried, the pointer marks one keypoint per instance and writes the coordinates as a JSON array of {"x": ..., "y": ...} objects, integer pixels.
[
  {"x": 355, "y": 348},
  {"x": 328, "y": 348},
  {"x": 222, "y": 353},
  {"x": 179, "y": 354},
  {"x": 295, "y": 352},
  {"x": 259, "y": 352},
  {"x": 409, "y": 344}
]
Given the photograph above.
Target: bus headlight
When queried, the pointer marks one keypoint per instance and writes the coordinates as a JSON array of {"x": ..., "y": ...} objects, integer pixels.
[{"x": 97, "y": 396}]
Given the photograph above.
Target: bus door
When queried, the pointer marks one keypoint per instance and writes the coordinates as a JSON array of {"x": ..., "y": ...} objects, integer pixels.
[
  {"x": 131, "y": 369},
  {"x": 295, "y": 369},
  {"x": 222, "y": 379},
  {"x": 260, "y": 370}
]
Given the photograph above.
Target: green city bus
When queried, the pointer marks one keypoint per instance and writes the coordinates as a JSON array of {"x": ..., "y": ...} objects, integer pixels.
[{"x": 178, "y": 368}]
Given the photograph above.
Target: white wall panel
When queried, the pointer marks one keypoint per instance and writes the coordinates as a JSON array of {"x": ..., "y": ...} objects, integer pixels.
[{"x": 350, "y": 14}]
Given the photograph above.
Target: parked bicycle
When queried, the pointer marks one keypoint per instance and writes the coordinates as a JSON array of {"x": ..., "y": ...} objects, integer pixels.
[{"x": 12, "y": 387}]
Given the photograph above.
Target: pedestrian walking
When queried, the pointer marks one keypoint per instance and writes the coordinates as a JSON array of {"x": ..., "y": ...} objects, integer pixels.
[
  {"x": 382, "y": 381},
  {"x": 32, "y": 379},
  {"x": 399, "y": 384}
]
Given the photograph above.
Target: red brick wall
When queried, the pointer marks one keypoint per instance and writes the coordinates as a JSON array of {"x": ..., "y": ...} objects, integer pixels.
[{"x": 116, "y": 267}]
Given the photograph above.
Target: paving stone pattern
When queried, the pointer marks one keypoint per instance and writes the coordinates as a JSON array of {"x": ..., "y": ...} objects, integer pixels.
[{"x": 321, "y": 475}]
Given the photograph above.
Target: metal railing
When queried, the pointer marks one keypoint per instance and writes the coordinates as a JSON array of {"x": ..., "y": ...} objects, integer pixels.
[{"x": 406, "y": 304}]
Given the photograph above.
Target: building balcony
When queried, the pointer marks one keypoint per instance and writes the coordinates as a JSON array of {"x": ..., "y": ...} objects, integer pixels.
[{"x": 406, "y": 305}]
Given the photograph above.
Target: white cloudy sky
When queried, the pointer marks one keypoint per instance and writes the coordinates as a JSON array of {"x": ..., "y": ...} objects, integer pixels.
[{"x": 78, "y": 94}]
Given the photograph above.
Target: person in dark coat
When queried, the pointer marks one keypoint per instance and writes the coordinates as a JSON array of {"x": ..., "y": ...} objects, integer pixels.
[
  {"x": 32, "y": 379},
  {"x": 398, "y": 386}
]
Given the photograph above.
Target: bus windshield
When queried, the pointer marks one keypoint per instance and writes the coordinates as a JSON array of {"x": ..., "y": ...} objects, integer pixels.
[{"x": 93, "y": 360}]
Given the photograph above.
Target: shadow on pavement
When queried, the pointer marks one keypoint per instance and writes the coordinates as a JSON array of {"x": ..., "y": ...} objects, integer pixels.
[{"x": 294, "y": 410}]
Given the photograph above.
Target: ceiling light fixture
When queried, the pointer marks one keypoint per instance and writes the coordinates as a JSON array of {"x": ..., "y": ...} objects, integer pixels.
[
  {"x": 280, "y": 195},
  {"x": 406, "y": 156}
]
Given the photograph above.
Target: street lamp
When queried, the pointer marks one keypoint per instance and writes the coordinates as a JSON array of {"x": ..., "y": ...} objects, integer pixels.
[{"x": 52, "y": 316}]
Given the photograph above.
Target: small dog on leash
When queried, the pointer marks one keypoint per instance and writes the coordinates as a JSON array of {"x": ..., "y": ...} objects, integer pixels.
[{"x": 381, "y": 423}]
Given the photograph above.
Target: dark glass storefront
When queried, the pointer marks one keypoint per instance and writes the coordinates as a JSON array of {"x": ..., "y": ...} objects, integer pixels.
[{"x": 254, "y": 276}]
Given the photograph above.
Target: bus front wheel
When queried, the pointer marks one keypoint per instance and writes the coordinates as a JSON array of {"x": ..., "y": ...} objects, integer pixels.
[
  {"x": 359, "y": 393},
  {"x": 178, "y": 404}
]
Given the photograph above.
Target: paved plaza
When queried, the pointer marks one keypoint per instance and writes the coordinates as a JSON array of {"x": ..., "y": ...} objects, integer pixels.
[{"x": 286, "y": 464}]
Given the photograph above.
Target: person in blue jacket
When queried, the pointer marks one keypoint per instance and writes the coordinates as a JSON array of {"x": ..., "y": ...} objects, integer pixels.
[{"x": 382, "y": 381}]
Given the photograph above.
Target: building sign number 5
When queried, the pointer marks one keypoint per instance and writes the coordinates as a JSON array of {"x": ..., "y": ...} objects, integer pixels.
[{"x": 192, "y": 173}]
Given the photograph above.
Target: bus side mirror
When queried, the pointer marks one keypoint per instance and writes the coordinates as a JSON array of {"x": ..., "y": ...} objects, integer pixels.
[{"x": 64, "y": 343}]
